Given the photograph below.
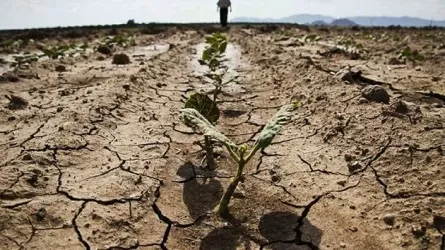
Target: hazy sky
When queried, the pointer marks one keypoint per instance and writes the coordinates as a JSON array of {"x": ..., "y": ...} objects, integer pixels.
[{"x": 48, "y": 13}]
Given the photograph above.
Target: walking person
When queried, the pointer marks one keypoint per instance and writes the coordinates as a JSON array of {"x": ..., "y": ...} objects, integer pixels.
[{"x": 223, "y": 7}]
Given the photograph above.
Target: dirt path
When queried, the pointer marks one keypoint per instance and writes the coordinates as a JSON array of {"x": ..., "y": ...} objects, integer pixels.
[{"x": 101, "y": 160}]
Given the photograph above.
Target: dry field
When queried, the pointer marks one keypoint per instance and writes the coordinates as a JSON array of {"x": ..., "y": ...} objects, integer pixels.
[{"x": 93, "y": 155}]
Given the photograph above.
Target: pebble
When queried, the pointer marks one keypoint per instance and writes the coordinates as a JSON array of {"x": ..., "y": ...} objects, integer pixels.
[
  {"x": 376, "y": 93},
  {"x": 389, "y": 219},
  {"x": 353, "y": 229},
  {"x": 342, "y": 245}
]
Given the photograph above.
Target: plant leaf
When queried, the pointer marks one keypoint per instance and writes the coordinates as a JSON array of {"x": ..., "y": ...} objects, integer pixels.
[
  {"x": 222, "y": 47},
  {"x": 204, "y": 105},
  {"x": 192, "y": 118},
  {"x": 274, "y": 125}
]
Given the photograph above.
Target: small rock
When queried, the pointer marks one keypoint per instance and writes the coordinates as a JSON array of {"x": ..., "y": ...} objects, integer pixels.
[
  {"x": 349, "y": 157},
  {"x": 353, "y": 229},
  {"x": 27, "y": 157},
  {"x": 59, "y": 109},
  {"x": 400, "y": 107},
  {"x": 121, "y": 59},
  {"x": 60, "y": 68},
  {"x": 104, "y": 49},
  {"x": 376, "y": 93},
  {"x": 9, "y": 77},
  {"x": 126, "y": 86},
  {"x": 341, "y": 183},
  {"x": 275, "y": 178},
  {"x": 354, "y": 166},
  {"x": 439, "y": 222},
  {"x": 89, "y": 91},
  {"x": 418, "y": 231},
  {"x": 362, "y": 101},
  {"x": 342, "y": 245},
  {"x": 352, "y": 207},
  {"x": 41, "y": 214},
  {"x": 389, "y": 219}
]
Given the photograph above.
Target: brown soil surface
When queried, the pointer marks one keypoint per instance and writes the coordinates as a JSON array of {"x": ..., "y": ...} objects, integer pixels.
[{"x": 98, "y": 158}]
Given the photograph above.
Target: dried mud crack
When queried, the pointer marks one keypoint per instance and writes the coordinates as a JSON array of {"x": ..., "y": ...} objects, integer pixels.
[{"x": 100, "y": 159}]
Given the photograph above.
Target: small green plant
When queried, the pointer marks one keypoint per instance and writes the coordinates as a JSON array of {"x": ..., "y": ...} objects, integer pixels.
[
  {"x": 310, "y": 38},
  {"x": 119, "y": 40},
  {"x": 242, "y": 154},
  {"x": 213, "y": 58},
  {"x": 56, "y": 52},
  {"x": 208, "y": 109},
  {"x": 411, "y": 55},
  {"x": 24, "y": 59},
  {"x": 121, "y": 59}
]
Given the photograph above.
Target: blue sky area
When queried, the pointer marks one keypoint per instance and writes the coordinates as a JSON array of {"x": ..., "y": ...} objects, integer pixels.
[{"x": 51, "y": 13}]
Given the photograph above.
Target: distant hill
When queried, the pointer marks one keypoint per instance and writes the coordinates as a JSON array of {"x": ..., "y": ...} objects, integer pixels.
[
  {"x": 343, "y": 22},
  {"x": 320, "y": 23},
  {"x": 359, "y": 20}
]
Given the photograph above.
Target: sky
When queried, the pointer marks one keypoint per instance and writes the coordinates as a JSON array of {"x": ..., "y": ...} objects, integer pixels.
[{"x": 15, "y": 14}]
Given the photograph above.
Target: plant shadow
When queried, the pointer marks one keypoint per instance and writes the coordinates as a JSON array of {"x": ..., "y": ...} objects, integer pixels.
[
  {"x": 200, "y": 194},
  {"x": 226, "y": 238},
  {"x": 278, "y": 230}
]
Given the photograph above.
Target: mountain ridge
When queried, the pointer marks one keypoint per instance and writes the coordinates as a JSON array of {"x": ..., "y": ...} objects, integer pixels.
[{"x": 359, "y": 20}]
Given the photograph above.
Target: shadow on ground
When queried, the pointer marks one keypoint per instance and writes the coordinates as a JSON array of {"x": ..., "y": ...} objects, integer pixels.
[
  {"x": 200, "y": 195},
  {"x": 278, "y": 228}
]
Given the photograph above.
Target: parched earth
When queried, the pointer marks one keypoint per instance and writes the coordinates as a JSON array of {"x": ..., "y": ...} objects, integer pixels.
[{"x": 98, "y": 158}]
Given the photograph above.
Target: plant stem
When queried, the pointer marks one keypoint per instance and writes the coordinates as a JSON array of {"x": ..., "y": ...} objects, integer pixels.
[
  {"x": 209, "y": 153},
  {"x": 224, "y": 203}
]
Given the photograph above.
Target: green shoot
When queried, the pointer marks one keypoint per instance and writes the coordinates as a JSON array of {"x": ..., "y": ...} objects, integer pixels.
[
  {"x": 411, "y": 55},
  {"x": 213, "y": 58},
  {"x": 242, "y": 154}
]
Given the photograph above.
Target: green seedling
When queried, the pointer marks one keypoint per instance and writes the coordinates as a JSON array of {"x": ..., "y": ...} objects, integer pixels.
[
  {"x": 56, "y": 52},
  {"x": 208, "y": 109},
  {"x": 411, "y": 55},
  {"x": 311, "y": 38},
  {"x": 119, "y": 40},
  {"x": 25, "y": 59},
  {"x": 213, "y": 58},
  {"x": 242, "y": 154}
]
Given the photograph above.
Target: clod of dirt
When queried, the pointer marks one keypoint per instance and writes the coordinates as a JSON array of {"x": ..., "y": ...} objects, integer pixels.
[
  {"x": 395, "y": 61},
  {"x": 389, "y": 219},
  {"x": 16, "y": 102},
  {"x": 27, "y": 157},
  {"x": 33, "y": 179},
  {"x": 400, "y": 107},
  {"x": 354, "y": 166},
  {"x": 60, "y": 68},
  {"x": 121, "y": 59},
  {"x": 418, "y": 231},
  {"x": 9, "y": 77},
  {"x": 41, "y": 214},
  {"x": 439, "y": 222},
  {"x": 376, "y": 93},
  {"x": 104, "y": 49}
]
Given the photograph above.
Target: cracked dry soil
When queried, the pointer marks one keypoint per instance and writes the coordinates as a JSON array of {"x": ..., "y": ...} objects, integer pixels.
[{"x": 100, "y": 160}]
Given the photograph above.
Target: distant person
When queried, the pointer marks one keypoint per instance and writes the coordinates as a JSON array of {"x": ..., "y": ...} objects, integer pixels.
[{"x": 223, "y": 7}]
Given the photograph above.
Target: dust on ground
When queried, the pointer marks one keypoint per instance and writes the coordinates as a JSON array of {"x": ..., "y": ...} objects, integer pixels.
[{"x": 94, "y": 156}]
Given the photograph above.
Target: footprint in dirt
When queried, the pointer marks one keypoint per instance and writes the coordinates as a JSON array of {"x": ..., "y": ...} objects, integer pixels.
[{"x": 200, "y": 195}]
